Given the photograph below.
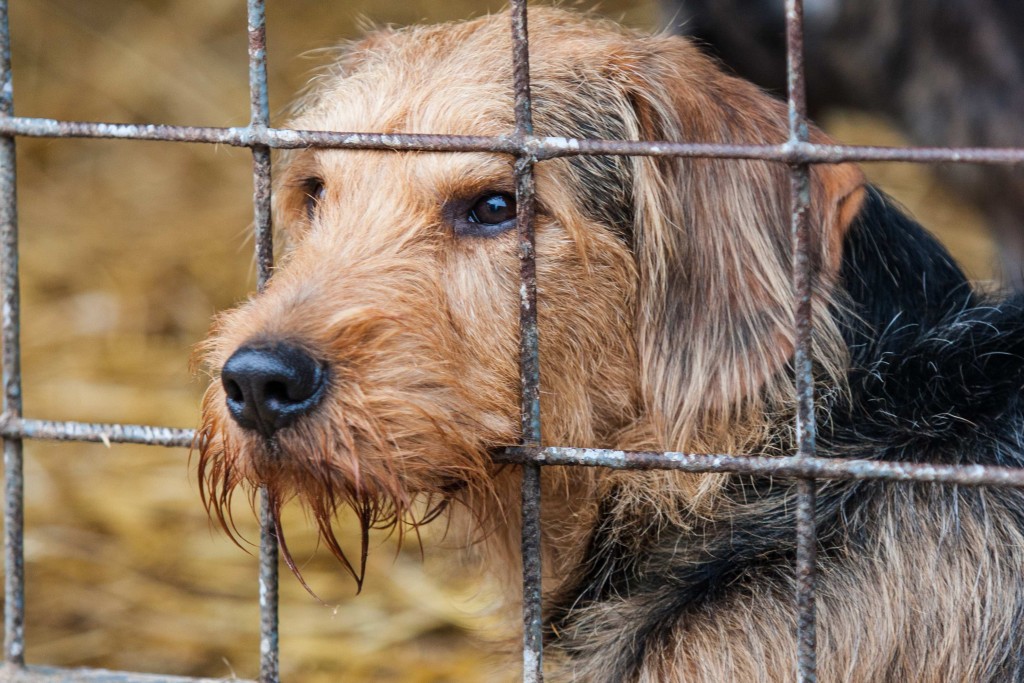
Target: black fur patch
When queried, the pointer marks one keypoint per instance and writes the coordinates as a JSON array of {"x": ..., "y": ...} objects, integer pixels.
[{"x": 604, "y": 182}]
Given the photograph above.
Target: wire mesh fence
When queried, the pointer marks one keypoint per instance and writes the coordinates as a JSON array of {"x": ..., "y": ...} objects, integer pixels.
[{"x": 528, "y": 149}]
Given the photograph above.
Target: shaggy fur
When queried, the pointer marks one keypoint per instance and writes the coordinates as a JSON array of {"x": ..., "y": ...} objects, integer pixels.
[
  {"x": 947, "y": 73},
  {"x": 665, "y": 319}
]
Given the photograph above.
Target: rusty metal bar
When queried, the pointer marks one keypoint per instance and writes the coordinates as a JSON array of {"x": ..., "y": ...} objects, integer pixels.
[
  {"x": 258, "y": 125},
  {"x": 529, "y": 358},
  {"x": 12, "y": 427},
  {"x": 14, "y": 481},
  {"x": 817, "y": 468},
  {"x": 803, "y": 287},
  {"x": 45, "y": 674},
  {"x": 540, "y": 148},
  {"x": 782, "y": 467},
  {"x": 249, "y": 137}
]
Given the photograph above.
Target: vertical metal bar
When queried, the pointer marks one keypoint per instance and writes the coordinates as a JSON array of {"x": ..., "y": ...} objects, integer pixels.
[
  {"x": 14, "y": 509},
  {"x": 806, "y": 551},
  {"x": 259, "y": 104},
  {"x": 529, "y": 359},
  {"x": 260, "y": 120}
]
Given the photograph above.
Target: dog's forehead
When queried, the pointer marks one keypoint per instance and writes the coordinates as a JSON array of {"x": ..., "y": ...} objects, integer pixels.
[
  {"x": 438, "y": 106},
  {"x": 456, "y": 78},
  {"x": 406, "y": 90}
]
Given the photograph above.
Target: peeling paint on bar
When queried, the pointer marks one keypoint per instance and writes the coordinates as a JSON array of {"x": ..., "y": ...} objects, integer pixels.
[
  {"x": 818, "y": 468},
  {"x": 263, "y": 232},
  {"x": 43, "y": 674},
  {"x": 14, "y": 481},
  {"x": 529, "y": 354},
  {"x": 560, "y": 143},
  {"x": 539, "y": 147},
  {"x": 13, "y": 427},
  {"x": 786, "y": 466}
]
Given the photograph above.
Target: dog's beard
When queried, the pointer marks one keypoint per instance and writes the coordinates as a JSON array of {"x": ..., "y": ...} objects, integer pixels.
[{"x": 388, "y": 488}]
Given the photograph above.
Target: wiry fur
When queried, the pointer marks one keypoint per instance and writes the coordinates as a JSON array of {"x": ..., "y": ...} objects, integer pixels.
[{"x": 665, "y": 315}]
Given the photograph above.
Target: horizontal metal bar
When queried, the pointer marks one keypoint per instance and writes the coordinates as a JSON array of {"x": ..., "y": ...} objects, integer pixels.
[
  {"x": 254, "y": 137},
  {"x": 786, "y": 466},
  {"x": 53, "y": 128},
  {"x": 536, "y": 147},
  {"x": 789, "y": 152},
  {"x": 45, "y": 674},
  {"x": 11, "y": 426}
]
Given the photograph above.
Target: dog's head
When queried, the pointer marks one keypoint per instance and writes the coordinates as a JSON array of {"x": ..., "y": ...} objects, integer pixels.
[{"x": 380, "y": 366}]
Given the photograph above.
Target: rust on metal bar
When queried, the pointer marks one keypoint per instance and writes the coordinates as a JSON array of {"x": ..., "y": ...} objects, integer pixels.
[
  {"x": 14, "y": 481},
  {"x": 13, "y": 427},
  {"x": 803, "y": 286},
  {"x": 540, "y": 148},
  {"x": 529, "y": 359},
  {"x": 817, "y": 468},
  {"x": 53, "y": 128},
  {"x": 258, "y": 125},
  {"x": 261, "y": 211},
  {"x": 785, "y": 466},
  {"x": 46, "y": 674},
  {"x": 800, "y": 152}
]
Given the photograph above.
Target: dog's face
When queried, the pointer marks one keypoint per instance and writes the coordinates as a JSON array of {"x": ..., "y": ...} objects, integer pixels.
[
  {"x": 380, "y": 365},
  {"x": 391, "y": 326}
]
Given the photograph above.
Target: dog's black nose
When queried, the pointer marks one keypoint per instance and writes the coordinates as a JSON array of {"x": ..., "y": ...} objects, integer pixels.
[{"x": 269, "y": 387}]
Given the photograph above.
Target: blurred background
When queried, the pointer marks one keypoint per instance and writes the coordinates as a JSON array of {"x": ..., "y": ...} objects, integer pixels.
[{"x": 128, "y": 248}]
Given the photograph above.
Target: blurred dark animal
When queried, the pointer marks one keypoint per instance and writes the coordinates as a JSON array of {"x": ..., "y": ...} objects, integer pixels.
[
  {"x": 379, "y": 369},
  {"x": 948, "y": 73}
]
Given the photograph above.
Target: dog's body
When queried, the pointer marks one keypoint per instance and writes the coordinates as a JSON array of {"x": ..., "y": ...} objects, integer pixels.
[
  {"x": 918, "y": 583},
  {"x": 380, "y": 366}
]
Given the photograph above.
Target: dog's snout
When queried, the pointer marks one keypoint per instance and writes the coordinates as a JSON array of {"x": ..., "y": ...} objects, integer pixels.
[{"x": 269, "y": 387}]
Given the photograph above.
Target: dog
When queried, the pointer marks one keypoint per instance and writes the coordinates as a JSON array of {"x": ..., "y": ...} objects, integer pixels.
[{"x": 379, "y": 368}]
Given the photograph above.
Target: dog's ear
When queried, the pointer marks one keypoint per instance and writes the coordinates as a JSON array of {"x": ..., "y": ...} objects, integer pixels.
[{"x": 714, "y": 251}]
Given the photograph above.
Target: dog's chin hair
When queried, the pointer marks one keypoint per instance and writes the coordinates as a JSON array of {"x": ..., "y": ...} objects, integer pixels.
[{"x": 324, "y": 492}]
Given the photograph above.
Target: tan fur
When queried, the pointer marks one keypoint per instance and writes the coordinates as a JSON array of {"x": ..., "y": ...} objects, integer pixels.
[{"x": 681, "y": 345}]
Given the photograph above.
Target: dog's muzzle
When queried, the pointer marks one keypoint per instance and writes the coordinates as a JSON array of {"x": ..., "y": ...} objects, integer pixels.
[{"x": 268, "y": 387}]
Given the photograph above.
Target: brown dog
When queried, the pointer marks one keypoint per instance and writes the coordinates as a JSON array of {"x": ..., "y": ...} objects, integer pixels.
[{"x": 379, "y": 368}]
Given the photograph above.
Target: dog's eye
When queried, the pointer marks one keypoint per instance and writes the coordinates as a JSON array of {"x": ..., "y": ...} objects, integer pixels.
[
  {"x": 314, "y": 190},
  {"x": 493, "y": 209},
  {"x": 490, "y": 214}
]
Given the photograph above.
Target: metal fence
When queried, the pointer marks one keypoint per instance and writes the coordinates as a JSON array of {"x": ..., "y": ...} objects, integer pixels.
[{"x": 797, "y": 152}]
